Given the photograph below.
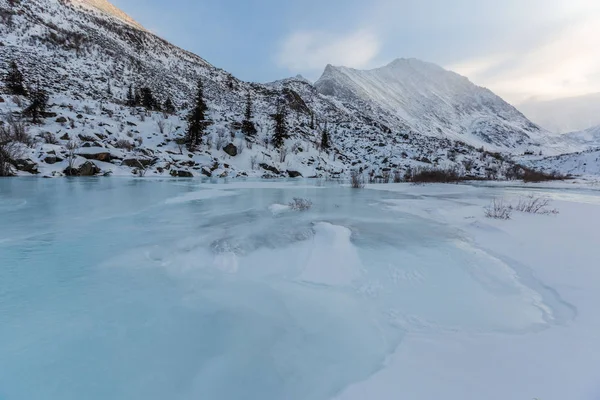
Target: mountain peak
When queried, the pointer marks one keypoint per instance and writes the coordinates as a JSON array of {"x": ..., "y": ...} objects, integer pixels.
[
  {"x": 109, "y": 9},
  {"x": 424, "y": 97}
]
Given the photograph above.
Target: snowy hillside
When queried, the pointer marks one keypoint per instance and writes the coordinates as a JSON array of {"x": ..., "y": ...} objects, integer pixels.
[
  {"x": 87, "y": 55},
  {"x": 413, "y": 95},
  {"x": 587, "y": 138},
  {"x": 581, "y": 163}
]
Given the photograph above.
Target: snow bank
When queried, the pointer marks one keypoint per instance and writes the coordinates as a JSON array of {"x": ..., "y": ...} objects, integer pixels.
[{"x": 333, "y": 260}]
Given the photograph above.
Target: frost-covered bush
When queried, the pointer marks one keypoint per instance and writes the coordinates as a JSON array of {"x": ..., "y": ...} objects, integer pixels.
[
  {"x": 299, "y": 204},
  {"x": 498, "y": 209},
  {"x": 124, "y": 144},
  {"x": 357, "y": 181},
  {"x": 49, "y": 138},
  {"x": 535, "y": 205}
]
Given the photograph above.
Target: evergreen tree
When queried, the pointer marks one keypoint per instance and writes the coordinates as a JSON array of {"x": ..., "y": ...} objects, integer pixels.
[
  {"x": 248, "y": 128},
  {"x": 38, "y": 105},
  {"x": 168, "y": 106},
  {"x": 280, "y": 130},
  {"x": 325, "y": 139},
  {"x": 197, "y": 119},
  {"x": 109, "y": 89},
  {"x": 312, "y": 120},
  {"x": 147, "y": 98},
  {"x": 130, "y": 97},
  {"x": 14, "y": 80}
]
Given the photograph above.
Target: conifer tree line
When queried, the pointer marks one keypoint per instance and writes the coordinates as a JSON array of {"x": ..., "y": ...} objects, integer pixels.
[
  {"x": 144, "y": 97},
  {"x": 14, "y": 82}
]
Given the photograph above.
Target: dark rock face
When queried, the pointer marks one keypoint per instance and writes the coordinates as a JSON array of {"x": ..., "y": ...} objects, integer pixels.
[
  {"x": 182, "y": 174},
  {"x": 269, "y": 168},
  {"x": 88, "y": 169},
  {"x": 137, "y": 162},
  {"x": 26, "y": 165},
  {"x": 294, "y": 174},
  {"x": 231, "y": 150},
  {"x": 101, "y": 156},
  {"x": 50, "y": 159},
  {"x": 206, "y": 172}
]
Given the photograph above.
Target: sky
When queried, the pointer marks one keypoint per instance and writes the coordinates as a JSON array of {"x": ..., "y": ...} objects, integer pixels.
[{"x": 520, "y": 49}]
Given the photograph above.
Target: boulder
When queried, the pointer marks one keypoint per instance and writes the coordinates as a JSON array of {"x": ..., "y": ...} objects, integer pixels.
[
  {"x": 50, "y": 159},
  {"x": 65, "y": 137},
  {"x": 88, "y": 169},
  {"x": 136, "y": 162},
  {"x": 294, "y": 174},
  {"x": 231, "y": 150},
  {"x": 100, "y": 156},
  {"x": 182, "y": 174},
  {"x": 61, "y": 120},
  {"x": 26, "y": 165},
  {"x": 206, "y": 171},
  {"x": 270, "y": 168},
  {"x": 1, "y": 99}
]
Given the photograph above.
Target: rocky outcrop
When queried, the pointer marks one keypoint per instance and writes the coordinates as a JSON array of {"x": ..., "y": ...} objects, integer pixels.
[
  {"x": 269, "y": 168},
  {"x": 231, "y": 150},
  {"x": 26, "y": 165},
  {"x": 181, "y": 174}
]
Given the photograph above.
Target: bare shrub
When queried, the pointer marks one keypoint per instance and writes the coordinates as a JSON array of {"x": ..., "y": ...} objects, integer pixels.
[
  {"x": 299, "y": 204},
  {"x": 124, "y": 144},
  {"x": 533, "y": 204},
  {"x": 88, "y": 110},
  {"x": 385, "y": 176},
  {"x": 49, "y": 138},
  {"x": 17, "y": 131},
  {"x": 72, "y": 146},
  {"x": 253, "y": 162},
  {"x": 10, "y": 150},
  {"x": 397, "y": 176},
  {"x": 434, "y": 175},
  {"x": 283, "y": 154},
  {"x": 161, "y": 125},
  {"x": 498, "y": 209},
  {"x": 357, "y": 180},
  {"x": 220, "y": 142},
  {"x": 533, "y": 176}
]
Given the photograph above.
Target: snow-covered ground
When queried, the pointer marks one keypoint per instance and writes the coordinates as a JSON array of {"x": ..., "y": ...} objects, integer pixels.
[{"x": 158, "y": 288}]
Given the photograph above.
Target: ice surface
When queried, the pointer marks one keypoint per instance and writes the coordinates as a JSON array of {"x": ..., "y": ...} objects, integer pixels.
[{"x": 153, "y": 289}]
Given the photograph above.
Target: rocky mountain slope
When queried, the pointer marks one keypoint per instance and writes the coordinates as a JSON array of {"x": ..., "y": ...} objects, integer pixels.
[
  {"x": 413, "y": 95},
  {"x": 87, "y": 53}
]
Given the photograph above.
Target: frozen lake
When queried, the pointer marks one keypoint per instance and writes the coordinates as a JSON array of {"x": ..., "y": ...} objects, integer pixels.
[{"x": 175, "y": 289}]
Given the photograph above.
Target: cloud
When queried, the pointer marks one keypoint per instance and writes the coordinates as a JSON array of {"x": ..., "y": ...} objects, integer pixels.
[
  {"x": 307, "y": 51},
  {"x": 565, "y": 63}
]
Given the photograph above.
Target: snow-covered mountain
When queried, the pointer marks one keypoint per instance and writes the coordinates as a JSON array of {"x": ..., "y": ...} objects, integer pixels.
[
  {"x": 413, "y": 95},
  {"x": 87, "y": 53}
]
